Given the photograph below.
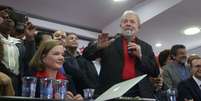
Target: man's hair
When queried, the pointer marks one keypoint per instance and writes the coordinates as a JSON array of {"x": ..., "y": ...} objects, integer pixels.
[
  {"x": 15, "y": 15},
  {"x": 2, "y": 7},
  {"x": 58, "y": 31},
  {"x": 163, "y": 56},
  {"x": 130, "y": 12},
  {"x": 10, "y": 12},
  {"x": 39, "y": 37},
  {"x": 193, "y": 57},
  {"x": 175, "y": 48},
  {"x": 70, "y": 33}
]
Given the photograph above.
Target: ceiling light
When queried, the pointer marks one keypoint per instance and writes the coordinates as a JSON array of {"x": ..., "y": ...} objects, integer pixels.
[
  {"x": 192, "y": 31},
  {"x": 158, "y": 44},
  {"x": 118, "y": 0}
]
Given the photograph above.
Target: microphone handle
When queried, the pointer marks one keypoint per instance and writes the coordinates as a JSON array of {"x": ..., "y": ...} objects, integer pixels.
[{"x": 129, "y": 39}]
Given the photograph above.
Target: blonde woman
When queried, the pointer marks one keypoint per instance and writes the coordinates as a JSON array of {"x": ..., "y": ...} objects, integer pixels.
[{"x": 47, "y": 61}]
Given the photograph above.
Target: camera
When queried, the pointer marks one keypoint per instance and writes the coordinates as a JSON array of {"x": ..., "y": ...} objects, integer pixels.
[{"x": 20, "y": 21}]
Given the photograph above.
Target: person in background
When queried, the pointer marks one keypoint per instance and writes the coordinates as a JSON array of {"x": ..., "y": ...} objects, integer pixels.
[
  {"x": 164, "y": 57},
  {"x": 158, "y": 82},
  {"x": 190, "y": 89},
  {"x": 16, "y": 52},
  {"x": 60, "y": 35},
  {"x": 96, "y": 62},
  {"x": 6, "y": 86},
  {"x": 47, "y": 60},
  {"x": 82, "y": 70},
  {"x": 159, "y": 87},
  {"x": 177, "y": 70},
  {"x": 190, "y": 57},
  {"x": 124, "y": 57},
  {"x": 41, "y": 37}
]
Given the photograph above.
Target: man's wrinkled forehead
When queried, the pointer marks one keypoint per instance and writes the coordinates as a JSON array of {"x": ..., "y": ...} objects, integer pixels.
[{"x": 130, "y": 16}]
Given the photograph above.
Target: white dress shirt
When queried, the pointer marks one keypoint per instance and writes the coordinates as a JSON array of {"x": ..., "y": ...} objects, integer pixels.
[
  {"x": 97, "y": 65},
  {"x": 11, "y": 53}
]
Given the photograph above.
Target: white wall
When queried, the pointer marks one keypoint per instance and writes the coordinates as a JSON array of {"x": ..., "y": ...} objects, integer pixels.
[
  {"x": 195, "y": 51},
  {"x": 146, "y": 10},
  {"x": 55, "y": 26}
]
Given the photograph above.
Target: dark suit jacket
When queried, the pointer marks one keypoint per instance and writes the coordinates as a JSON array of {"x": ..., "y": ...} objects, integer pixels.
[
  {"x": 171, "y": 75},
  {"x": 189, "y": 89},
  {"x": 82, "y": 71},
  {"x": 112, "y": 62}
]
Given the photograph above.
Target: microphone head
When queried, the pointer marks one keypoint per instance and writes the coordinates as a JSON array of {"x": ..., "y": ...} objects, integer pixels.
[
  {"x": 128, "y": 32},
  {"x": 128, "y": 35}
]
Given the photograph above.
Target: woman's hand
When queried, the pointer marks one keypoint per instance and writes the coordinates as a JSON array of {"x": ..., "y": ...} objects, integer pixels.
[{"x": 77, "y": 97}]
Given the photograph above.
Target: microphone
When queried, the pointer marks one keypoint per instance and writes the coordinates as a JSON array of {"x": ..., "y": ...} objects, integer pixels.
[{"x": 128, "y": 35}]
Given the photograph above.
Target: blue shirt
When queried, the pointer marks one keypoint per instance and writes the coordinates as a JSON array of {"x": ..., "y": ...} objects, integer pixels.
[{"x": 183, "y": 71}]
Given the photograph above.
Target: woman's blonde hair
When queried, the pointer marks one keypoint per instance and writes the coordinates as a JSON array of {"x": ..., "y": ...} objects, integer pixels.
[{"x": 36, "y": 62}]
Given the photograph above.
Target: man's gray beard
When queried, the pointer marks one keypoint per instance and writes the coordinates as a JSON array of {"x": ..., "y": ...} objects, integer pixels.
[
  {"x": 183, "y": 61},
  {"x": 127, "y": 33}
]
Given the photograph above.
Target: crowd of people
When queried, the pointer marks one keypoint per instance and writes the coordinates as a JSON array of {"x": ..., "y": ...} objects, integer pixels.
[{"x": 122, "y": 57}]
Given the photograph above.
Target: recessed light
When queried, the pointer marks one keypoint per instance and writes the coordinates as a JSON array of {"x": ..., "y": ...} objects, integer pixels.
[
  {"x": 192, "y": 31},
  {"x": 118, "y": 0},
  {"x": 158, "y": 44}
]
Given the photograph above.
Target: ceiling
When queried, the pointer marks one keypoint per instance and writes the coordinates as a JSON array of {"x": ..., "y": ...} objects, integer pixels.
[
  {"x": 165, "y": 27},
  {"x": 93, "y": 14}
]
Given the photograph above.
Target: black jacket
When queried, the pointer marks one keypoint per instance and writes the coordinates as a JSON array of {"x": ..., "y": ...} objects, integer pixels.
[
  {"x": 112, "y": 64},
  {"x": 189, "y": 89},
  {"x": 82, "y": 71}
]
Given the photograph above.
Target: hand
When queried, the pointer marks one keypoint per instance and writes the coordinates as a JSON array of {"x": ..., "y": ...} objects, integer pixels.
[
  {"x": 77, "y": 97},
  {"x": 135, "y": 49},
  {"x": 69, "y": 95},
  {"x": 103, "y": 40},
  {"x": 188, "y": 99},
  {"x": 57, "y": 96},
  {"x": 29, "y": 31},
  {"x": 157, "y": 82}
]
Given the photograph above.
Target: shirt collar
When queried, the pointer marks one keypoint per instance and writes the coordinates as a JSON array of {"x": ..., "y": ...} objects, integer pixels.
[
  {"x": 197, "y": 81},
  {"x": 10, "y": 39},
  {"x": 44, "y": 74}
]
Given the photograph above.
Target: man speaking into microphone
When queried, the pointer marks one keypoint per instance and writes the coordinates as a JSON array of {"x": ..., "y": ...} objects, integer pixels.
[{"x": 124, "y": 57}]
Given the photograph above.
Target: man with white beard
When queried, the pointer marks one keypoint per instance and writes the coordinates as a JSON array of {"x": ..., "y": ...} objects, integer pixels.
[{"x": 124, "y": 57}]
